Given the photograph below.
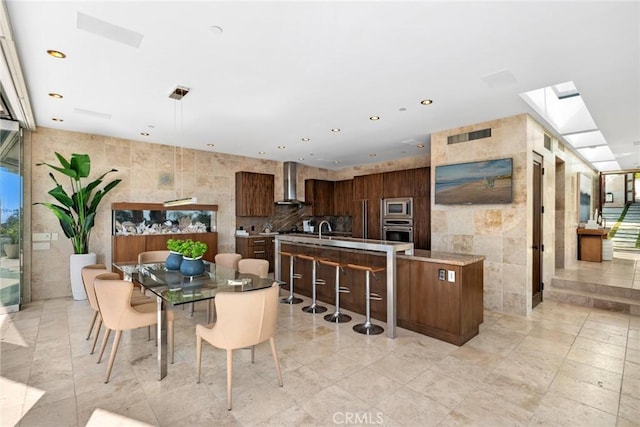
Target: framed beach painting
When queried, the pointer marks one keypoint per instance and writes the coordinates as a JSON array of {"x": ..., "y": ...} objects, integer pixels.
[{"x": 485, "y": 182}]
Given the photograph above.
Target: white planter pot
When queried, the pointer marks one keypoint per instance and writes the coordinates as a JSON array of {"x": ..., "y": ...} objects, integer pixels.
[{"x": 76, "y": 263}]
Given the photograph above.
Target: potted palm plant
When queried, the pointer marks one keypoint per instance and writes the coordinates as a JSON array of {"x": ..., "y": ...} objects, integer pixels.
[
  {"x": 11, "y": 229},
  {"x": 76, "y": 210}
]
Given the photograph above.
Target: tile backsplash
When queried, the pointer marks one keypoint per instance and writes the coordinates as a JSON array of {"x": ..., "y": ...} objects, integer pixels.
[{"x": 287, "y": 216}]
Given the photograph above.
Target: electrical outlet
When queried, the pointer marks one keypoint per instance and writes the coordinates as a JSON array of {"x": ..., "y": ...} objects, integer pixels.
[
  {"x": 451, "y": 275},
  {"x": 441, "y": 274}
]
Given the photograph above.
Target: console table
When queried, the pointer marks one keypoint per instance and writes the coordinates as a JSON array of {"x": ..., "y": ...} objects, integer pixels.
[{"x": 590, "y": 243}]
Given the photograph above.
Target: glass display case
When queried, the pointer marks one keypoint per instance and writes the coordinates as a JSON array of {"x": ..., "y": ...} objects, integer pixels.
[{"x": 145, "y": 218}]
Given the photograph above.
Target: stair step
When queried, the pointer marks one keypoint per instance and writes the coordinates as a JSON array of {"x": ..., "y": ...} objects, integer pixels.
[{"x": 613, "y": 298}]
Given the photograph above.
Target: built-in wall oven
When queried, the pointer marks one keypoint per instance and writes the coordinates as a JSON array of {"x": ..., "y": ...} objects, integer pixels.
[
  {"x": 397, "y": 219},
  {"x": 397, "y": 230}
]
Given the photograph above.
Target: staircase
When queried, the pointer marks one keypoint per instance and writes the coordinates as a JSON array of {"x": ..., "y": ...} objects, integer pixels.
[{"x": 628, "y": 230}]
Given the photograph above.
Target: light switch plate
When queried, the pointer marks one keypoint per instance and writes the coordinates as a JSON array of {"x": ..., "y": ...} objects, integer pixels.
[
  {"x": 451, "y": 275},
  {"x": 41, "y": 246},
  {"x": 41, "y": 237}
]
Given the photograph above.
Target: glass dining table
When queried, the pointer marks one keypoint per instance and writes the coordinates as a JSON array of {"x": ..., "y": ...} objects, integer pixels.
[{"x": 171, "y": 288}]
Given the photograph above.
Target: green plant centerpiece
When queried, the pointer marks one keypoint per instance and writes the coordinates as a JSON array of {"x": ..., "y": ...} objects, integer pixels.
[
  {"x": 174, "y": 260},
  {"x": 76, "y": 210},
  {"x": 192, "y": 252}
]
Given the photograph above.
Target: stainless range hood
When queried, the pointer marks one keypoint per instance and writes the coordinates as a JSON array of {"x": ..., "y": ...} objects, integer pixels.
[{"x": 289, "y": 181}]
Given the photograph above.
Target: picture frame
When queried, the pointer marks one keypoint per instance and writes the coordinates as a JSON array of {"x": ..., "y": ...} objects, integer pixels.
[
  {"x": 585, "y": 188},
  {"x": 482, "y": 182}
]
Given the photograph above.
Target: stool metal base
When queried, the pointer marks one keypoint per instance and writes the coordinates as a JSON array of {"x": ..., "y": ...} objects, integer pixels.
[
  {"x": 314, "y": 308},
  {"x": 291, "y": 300},
  {"x": 368, "y": 328},
  {"x": 337, "y": 318}
]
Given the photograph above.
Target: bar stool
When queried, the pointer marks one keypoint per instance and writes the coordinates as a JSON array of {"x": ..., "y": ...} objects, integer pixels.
[
  {"x": 314, "y": 307},
  {"x": 337, "y": 317},
  {"x": 367, "y": 327},
  {"x": 291, "y": 299}
]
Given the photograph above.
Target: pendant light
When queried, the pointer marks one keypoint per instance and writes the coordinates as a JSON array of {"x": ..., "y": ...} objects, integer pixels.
[{"x": 179, "y": 93}]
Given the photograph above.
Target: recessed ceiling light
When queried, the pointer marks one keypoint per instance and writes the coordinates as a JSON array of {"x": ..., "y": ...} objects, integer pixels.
[
  {"x": 216, "y": 29},
  {"x": 55, "y": 95},
  {"x": 261, "y": 152},
  {"x": 372, "y": 155},
  {"x": 311, "y": 154},
  {"x": 281, "y": 147},
  {"x": 336, "y": 161},
  {"x": 420, "y": 145},
  {"x": 56, "y": 54},
  {"x": 426, "y": 102},
  {"x": 335, "y": 130},
  {"x": 402, "y": 109},
  {"x": 374, "y": 118},
  {"x": 144, "y": 134},
  {"x": 300, "y": 158},
  {"x": 306, "y": 139},
  {"x": 56, "y": 119},
  {"x": 151, "y": 126},
  {"x": 210, "y": 145}
]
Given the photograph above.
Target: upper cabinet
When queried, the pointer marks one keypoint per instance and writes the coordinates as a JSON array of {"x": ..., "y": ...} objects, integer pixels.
[
  {"x": 320, "y": 194},
  {"x": 406, "y": 183},
  {"x": 254, "y": 194},
  {"x": 368, "y": 187},
  {"x": 343, "y": 195}
]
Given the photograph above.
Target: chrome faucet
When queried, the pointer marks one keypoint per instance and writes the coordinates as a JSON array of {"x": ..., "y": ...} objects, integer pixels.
[{"x": 320, "y": 228}]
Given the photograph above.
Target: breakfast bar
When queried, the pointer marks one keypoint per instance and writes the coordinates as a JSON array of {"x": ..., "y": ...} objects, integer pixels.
[{"x": 389, "y": 248}]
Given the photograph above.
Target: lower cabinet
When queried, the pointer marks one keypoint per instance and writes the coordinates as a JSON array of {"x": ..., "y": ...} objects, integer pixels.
[
  {"x": 260, "y": 247},
  {"x": 449, "y": 311},
  {"x": 127, "y": 248}
]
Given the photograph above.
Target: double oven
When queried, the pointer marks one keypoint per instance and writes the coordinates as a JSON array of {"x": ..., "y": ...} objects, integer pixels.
[{"x": 397, "y": 219}]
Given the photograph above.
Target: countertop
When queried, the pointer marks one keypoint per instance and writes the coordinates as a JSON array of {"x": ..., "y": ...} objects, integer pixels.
[{"x": 443, "y": 257}]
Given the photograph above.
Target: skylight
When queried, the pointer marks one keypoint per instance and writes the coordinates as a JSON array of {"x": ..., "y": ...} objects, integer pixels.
[{"x": 562, "y": 106}]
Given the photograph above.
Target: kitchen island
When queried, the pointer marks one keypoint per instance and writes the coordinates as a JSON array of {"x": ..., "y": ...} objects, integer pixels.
[
  {"x": 438, "y": 294},
  {"x": 390, "y": 249}
]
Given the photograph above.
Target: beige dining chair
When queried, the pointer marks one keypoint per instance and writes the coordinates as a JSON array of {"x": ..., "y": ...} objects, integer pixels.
[
  {"x": 89, "y": 273},
  {"x": 228, "y": 260},
  {"x": 152, "y": 256},
  {"x": 259, "y": 267},
  {"x": 245, "y": 319},
  {"x": 118, "y": 314}
]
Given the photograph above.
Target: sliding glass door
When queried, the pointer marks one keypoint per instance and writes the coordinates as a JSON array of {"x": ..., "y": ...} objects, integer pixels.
[{"x": 11, "y": 219}]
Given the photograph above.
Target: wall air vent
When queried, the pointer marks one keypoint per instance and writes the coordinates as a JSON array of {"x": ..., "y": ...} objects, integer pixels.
[
  {"x": 179, "y": 93},
  {"x": 469, "y": 136}
]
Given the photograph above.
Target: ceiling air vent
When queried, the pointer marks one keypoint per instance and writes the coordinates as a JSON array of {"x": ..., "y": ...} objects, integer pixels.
[
  {"x": 469, "y": 136},
  {"x": 179, "y": 92}
]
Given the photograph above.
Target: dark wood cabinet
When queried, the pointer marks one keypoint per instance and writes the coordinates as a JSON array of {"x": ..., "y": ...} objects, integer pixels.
[
  {"x": 365, "y": 209},
  {"x": 450, "y": 311},
  {"x": 254, "y": 194},
  {"x": 422, "y": 180},
  {"x": 127, "y": 248},
  {"x": 422, "y": 223},
  {"x": 320, "y": 194},
  {"x": 399, "y": 184},
  {"x": 343, "y": 196},
  {"x": 260, "y": 247}
]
